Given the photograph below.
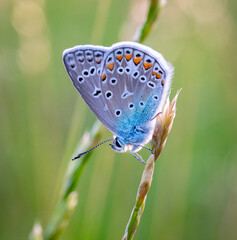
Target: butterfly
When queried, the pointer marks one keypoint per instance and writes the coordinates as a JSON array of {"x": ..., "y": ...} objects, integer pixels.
[{"x": 125, "y": 85}]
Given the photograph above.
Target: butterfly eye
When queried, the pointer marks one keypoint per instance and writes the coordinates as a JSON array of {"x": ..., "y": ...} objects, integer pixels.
[{"x": 117, "y": 144}]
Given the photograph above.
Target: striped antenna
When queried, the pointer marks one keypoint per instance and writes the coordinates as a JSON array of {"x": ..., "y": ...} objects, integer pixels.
[{"x": 82, "y": 154}]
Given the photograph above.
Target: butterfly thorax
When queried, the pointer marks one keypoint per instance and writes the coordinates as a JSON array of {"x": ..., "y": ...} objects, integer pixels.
[{"x": 132, "y": 140}]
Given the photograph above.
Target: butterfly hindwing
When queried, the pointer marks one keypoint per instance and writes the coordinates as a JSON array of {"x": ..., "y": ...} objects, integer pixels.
[
  {"x": 117, "y": 88},
  {"x": 136, "y": 84}
]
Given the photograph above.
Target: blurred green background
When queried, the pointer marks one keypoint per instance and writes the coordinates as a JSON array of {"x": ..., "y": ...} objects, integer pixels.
[{"x": 42, "y": 117}]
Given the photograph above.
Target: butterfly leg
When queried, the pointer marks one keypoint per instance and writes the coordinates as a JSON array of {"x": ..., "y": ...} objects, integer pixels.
[
  {"x": 146, "y": 148},
  {"x": 138, "y": 157}
]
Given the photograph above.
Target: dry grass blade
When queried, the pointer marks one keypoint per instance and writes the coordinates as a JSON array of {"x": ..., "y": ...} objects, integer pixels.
[
  {"x": 162, "y": 129},
  {"x": 163, "y": 126}
]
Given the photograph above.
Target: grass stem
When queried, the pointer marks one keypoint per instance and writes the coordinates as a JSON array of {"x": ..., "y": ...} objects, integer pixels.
[{"x": 163, "y": 126}]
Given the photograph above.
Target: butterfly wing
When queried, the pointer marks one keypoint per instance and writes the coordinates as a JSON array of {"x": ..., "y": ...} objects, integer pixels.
[
  {"x": 125, "y": 85},
  {"x": 83, "y": 65},
  {"x": 135, "y": 81}
]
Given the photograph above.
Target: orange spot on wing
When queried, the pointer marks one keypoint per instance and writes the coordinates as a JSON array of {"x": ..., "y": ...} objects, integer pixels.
[
  {"x": 98, "y": 60},
  {"x": 110, "y": 66},
  {"x": 162, "y": 82},
  {"x": 137, "y": 60},
  {"x": 147, "y": 65},
  {"x": 119, "y": 57},
  {"x": 103, "y": 77},
  {"x": 128, "y": 56},
  {"x": 158, "y": 76},
  {"x": 154, "y": 73}
]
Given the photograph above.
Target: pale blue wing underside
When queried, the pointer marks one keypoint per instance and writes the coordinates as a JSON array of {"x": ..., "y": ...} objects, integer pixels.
[{"x": 125, "y": 85}]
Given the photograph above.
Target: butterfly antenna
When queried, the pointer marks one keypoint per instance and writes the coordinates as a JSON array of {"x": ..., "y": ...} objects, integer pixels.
[{"x": 82, "y": 154}]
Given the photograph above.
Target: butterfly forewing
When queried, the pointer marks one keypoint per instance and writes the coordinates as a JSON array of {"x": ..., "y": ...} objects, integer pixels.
[{"x": 83, "y": 64}]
